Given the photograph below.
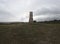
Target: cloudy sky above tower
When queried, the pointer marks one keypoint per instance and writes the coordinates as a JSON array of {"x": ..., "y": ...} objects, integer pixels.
[{"x": 18, "y": 10}]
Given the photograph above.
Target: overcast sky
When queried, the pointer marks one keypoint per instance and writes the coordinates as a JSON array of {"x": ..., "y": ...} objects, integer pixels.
[{"x": 18, "y": 10}]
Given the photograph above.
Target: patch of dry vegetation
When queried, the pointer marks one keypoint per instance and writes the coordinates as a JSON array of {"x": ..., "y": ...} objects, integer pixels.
[{"x": 35, "y": 33}]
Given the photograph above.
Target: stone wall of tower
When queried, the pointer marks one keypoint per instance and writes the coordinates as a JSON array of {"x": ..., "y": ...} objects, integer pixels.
[{"x": 31, "y": 17}]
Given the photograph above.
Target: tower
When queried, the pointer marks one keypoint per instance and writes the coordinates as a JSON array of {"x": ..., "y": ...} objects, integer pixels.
[{"x": 31, "y": 17}]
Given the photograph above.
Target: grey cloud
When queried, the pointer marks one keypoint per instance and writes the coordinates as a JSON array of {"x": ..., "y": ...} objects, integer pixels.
[
  {"x": 47, "y": 17},
  {"x": 13, "y": 10},
  {"x": 50, "y": 9},
  {"x": 44, "y": 11},
  {"x": 50, "y": 14},
  {"x": 6, "y": 16}
]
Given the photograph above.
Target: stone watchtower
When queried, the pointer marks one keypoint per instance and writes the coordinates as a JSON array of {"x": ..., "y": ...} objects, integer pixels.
[{"x": 31, "y": 17}]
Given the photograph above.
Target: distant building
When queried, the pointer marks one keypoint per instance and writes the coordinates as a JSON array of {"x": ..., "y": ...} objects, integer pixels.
[{"x": 31, "y": 17}]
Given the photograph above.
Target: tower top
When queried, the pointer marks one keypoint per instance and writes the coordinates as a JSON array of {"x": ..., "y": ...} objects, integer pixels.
[{"x": 31, "y": 12}]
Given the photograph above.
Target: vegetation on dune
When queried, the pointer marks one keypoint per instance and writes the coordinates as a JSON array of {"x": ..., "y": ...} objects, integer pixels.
[{"x": 35, "y": 33}]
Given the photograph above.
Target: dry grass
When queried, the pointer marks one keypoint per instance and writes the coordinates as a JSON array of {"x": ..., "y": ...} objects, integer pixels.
[{"x": 36, "y": 33}]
